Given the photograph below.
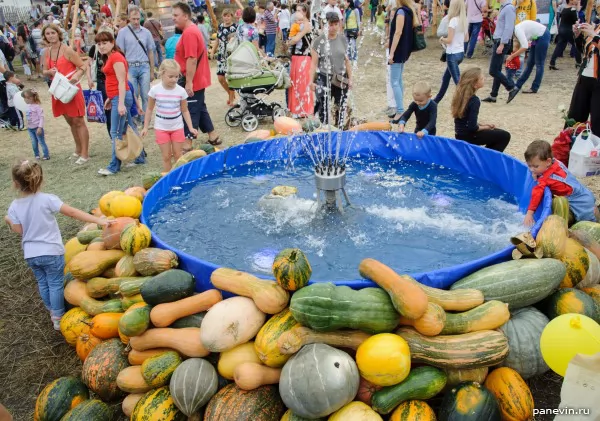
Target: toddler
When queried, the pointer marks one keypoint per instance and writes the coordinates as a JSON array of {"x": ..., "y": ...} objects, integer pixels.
[
  {"x": 551, "y": 173},
  {"x": 171, "y": 105},
  {"x": 424, "y": 109},
  {"x": 32, "y": 216},
  {"x": 513, "y": 65},
  {"x": 35, "y": 123},
  {"x": 15, "y": 117}
]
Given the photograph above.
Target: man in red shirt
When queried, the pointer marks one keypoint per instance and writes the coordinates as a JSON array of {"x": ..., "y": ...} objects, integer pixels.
[
  {"x": 106, "y": 9},
  {"x": 192, "y": 57}
]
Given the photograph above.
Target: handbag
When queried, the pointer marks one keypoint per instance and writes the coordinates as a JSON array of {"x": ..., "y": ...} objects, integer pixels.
[
  {"x": 352, "y": 33},
  {"x": 62, "y": 89},
  {"x": 340, "y": 81},
  {"x": 130, "y": 147},
  {"x": 94, "y": 66},
  {"x": 442, "y": 30},
  {"x": 554, "y": 27},
  {"x": 418, "y": 39},
  {"x": 94, "y": 106}
]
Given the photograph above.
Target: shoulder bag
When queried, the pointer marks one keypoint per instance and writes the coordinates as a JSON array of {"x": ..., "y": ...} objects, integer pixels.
[{"x": 138, "y": 40}]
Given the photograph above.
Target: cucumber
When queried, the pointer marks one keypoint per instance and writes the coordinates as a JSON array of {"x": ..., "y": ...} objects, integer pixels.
[
  {"x": 422, "y": 383},
  {"x": 86, "y": 237}
]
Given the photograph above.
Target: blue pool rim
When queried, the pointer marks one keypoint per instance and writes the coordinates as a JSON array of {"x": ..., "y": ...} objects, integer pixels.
[{"x": 508, "y": 173}]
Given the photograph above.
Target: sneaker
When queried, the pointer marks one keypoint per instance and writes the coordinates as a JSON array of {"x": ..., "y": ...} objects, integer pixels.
[
  {"x": 390, "y": 112},
  {"x": 46, "y": 158},
  {"x": 512, "y": 94},
  {"x": 104, "y": 171},
  {"x": 55, "y": 322},
  {"x": 37, "y": 157},
  {"x": 131, "y": 164},
  {"x": 489, "y": 99},
  {"x": 81, "y": 161}
]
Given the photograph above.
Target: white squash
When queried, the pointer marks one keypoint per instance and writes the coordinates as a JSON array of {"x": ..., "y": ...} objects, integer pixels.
[
  {"x": 229, "y": 323},
  {"x": 592, "y": 277}
]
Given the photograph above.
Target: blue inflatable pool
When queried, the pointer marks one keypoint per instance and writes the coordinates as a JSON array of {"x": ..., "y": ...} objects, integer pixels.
[{"x": 509, "y": 174}]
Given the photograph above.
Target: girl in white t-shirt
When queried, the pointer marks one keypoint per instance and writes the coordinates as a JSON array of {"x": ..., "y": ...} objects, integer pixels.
[
  {"x": 171, "y": 105},
  {"x": 454, "y": 44}
]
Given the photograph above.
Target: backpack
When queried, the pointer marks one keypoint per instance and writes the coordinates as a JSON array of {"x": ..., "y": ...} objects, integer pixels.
[{"x": 7, "y": 49}]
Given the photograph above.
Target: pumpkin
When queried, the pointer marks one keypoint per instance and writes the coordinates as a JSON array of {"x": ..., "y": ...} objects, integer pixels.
[
  {"x": 89, "y": 264},
  {"x": 457, "y": 300},
  {"x": 86, "y": 237},
  {"x": 152, "y": 261},
  {"x": 592, "y": 228},
  {"x": 577, "y": 263},
  {"x": 229, "y": 323},
  {"x": 458, "y": 375},
  {"x": 73, "y": 323},
  {"x": 96, "y": 246},
  {"x": 125, "y": 267},
  {"x": 106, "y": 325},
  {"x": 163, "y": 315},
  {"x": 523, "y": 331},
  {"x": 189, "y": 157},
  {"x": 383, "y": 359},
  {"x": 487, "y": 316},
  {"x": 157, "y": 405},
  {"x": 85, "y": 343},
  {"x": 592, "y": 276},
  {"x": 157, "y": 370},
  {"x": 291, "y": 341},
  {"x": 366, "y": 389},
  {"x": 193, "y": 320},
  {"x": 111, "y": 234},
  {"x": 552, "y": 237},
  {"x": 232, "y": 403},
  {"x": 130, "y": 402},
  {"x": 571, "y": 300},
  {"x": 249, "y": 376},
  {"x": 593, "y": 292},
  {"x": 100, "y": 287},
  {"x": 136, "y": 320},
  {"x": 76, "y": 294},
  {"x": 127, "y": 302},
  {"x": 193, "y": 384},
  {"x": 261, "y": 134},
  {"x": 268, "y": 296},
  {"x": 291, "y": 269},
  {"x": 123, "y": 205},
  {"x": 104, "y": 203},
  {"x": 332, "y": 383},
  {"x": 512, "y": 393},
  {"x": 230, "y": 359},
  {"x": 138, "y": 192},
  {"x": 124, "y": 338},
  {"x": 413, "y": 410},
  {"x": 136, "y": 357},
  {"x": 168, "y": 286},
  {"x": 376, "y": 126},
  {"x": 130, "y": 380},
  {"x": 469, "y": 401},
  {"x": 266, "y": 342},
  {"x": 290, "y": 416},
  {"x": 109, "y": 273},
  {"x": 287, "y": 125},
  {"x": 355, "y": 411},
  {"x": 186, "y": 341},
  {"x": 134, "y": 238},
  {"x": 429, "y": 324},
  {"x": 101, "y": 368},
  {"x": 149, "y": 179},
  {"x": 58, "y": 398},
  {"x": 408, "y": 299},
  {"x": 90, "y": 410},
  {"x": 72, "y": 248}
]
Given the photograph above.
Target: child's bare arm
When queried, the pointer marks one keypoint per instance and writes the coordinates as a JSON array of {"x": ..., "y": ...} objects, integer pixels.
[
  {"x": 81, "y": 215},
  {"x": 18, "y": 228}
]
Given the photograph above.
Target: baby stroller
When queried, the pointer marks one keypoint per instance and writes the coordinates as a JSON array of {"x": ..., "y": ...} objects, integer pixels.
[{"x": 254, "y": 81}]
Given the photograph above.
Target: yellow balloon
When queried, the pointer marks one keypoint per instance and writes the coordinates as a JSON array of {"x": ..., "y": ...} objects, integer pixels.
[{"x": 567, "y": 335}]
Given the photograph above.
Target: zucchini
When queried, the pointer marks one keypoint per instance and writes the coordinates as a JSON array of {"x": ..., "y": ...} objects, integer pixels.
[
  {"x": 422, "y": 383},
  {"x": 86, "y": 237},
  {"x": 168, "y": 286},
  {"x": 193, "y": 320}
]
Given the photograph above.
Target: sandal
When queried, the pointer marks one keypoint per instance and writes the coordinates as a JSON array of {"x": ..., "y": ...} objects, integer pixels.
[{"x": 215, "y": 142}]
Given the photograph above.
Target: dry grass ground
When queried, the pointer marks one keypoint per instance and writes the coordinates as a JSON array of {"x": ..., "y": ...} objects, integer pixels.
[{"x": 32, "y": 354}]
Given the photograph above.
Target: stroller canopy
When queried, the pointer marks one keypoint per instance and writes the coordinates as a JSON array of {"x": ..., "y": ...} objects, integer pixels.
[{"x": 246, "y": 69}]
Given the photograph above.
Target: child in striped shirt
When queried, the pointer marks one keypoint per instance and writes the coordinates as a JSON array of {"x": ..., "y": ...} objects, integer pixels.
[{"x": 171, "y": 109}]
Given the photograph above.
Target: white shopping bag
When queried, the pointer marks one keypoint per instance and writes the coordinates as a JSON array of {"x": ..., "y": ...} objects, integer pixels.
[
  {"x": 580, "y": 390},
  {"x": 584, "y": 159},
  {"x": 442, "y": 30}
]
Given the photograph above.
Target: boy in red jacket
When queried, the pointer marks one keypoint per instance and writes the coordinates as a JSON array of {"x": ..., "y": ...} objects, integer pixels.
[{"x": 553, "y": 174}]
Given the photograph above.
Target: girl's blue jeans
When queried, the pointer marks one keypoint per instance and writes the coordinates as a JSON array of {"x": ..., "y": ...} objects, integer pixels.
[
  {"x": 38, "y": 139},
  {"x": 49, "y": 273},
  {"x": 396, "y": 73},
  {"x": 352, "y": 48},
  {"x": 452, "y": 71},
  {"x": 118, "y": 126}
]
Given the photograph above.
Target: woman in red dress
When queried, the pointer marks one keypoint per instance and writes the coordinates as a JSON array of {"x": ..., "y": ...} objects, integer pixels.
[
  {"x": 61, "y": 58},
  {"x": 300, "y": 97}
]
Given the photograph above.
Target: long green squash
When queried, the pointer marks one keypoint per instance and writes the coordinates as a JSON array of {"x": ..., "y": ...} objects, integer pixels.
[
  {"x": 519, "y": 283},
  {"x": 469, "y": 350},
  {"x": 101, "y": 287},
  {"x": 488, "y": 316},
  {"x": 326, "y": 307}
]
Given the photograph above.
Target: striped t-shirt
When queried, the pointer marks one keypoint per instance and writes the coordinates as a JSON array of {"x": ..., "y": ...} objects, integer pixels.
[
  {"x": 270, "y": 22},
  {"x": 168, "y": 106}
]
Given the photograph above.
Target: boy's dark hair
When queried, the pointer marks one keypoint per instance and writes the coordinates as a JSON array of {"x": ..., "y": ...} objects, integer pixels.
[
  {"x": 200, "y": 18},
  {"x": 149, "y": 14},
  {"x": 540, "y": 149},
  {"x": 8, "y": 74},
  {"x": 249, "y": 15}
]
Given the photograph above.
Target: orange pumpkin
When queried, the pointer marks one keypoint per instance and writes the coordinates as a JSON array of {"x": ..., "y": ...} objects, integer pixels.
[
  {"x": 512, "y": 393},
  {"x": 287, "y": 125},
  {"x": 138, "y": 192},
  {"x": 106, "y": 325},
  {"x": 111, "y": 234},
  {"x": 85, "y": 343}
]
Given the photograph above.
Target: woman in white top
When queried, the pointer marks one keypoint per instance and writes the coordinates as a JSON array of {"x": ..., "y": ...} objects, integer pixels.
[
  {"x": 284, "y": 18},
  {"x": 454, "y": 44}
]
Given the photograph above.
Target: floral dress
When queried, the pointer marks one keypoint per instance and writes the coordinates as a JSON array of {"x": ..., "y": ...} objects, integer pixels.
[{"x": 223, "y": 34}]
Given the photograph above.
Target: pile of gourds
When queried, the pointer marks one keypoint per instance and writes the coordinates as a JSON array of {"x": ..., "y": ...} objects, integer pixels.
[{"x": 287, "y": 350}]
